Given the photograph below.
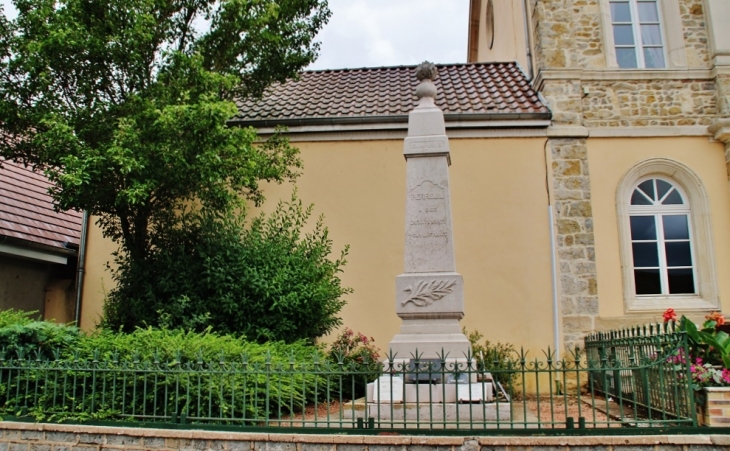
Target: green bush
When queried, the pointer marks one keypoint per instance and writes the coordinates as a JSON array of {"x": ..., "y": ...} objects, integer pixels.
[
  {"x": 496, "y": 358},
  {"x": 270, "y": 281},
  {"x": 155, "y": 373},
  {"x": 22, "y": 335}
]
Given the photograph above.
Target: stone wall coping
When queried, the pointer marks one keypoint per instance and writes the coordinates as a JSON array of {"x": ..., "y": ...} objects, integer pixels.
[
  {"x": 391, "y": 440},
  {"x": 718, "y": 389},
  {"x": 567, "y": 131},
  {"x": 622, "y": 75}
]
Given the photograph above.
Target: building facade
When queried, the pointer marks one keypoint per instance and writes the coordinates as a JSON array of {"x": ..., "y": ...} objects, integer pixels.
[
  {"x": 639, "y": 95},
  {"x": 589, "y": 179},
  {"x": 38, "y": 246}
]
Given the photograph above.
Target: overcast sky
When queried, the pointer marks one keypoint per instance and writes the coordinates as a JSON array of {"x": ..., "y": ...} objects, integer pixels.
[
  {"x": 393, "y": 32},
  {"x": 366, "y": 33}
]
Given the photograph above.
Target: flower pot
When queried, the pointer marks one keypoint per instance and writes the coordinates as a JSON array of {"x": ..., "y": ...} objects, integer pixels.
[{"x": 715, "y": 411}]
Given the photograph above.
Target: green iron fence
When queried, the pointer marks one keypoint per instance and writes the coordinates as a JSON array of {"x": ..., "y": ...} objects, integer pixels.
[
  {"x": 621, "y": 382},
  {"x": 643, "y": 368}
]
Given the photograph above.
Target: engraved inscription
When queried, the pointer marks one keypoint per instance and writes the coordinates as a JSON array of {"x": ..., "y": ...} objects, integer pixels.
[
  {"x": 427, "y": 292},
  {"x": 428, "y": 219}
]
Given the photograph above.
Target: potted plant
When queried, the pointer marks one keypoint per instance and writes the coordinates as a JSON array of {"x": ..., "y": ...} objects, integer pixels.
[{"x": 709, "y": 356}]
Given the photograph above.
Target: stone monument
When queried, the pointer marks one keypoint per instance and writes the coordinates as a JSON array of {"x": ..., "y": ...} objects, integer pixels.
[{"x": 429, "y": 294}]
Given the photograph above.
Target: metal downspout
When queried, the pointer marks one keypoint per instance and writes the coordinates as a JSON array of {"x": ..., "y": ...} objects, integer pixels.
[
  {"x": 528, "y": 38},
  {"x": 553, "y": 267},
  {"x": 80, "y": 267},
  {"x": 553, "y": 258}
]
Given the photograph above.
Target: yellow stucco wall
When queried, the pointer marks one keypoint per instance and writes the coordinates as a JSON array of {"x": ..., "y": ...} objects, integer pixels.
[
  {"x": 501, "y": 233},
  {"x": 509, "y": 33},
  {"x": 609, "y": 160},
  {"x": 97, "y": 278}
]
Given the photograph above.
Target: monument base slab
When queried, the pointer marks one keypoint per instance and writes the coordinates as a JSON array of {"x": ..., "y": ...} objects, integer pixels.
[{"x": 430, "y": 338}]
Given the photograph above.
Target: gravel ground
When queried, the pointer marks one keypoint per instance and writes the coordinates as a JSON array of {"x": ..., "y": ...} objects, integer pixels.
[
  {"x": 536, "y": 408},
  {"x": 557, "y": 413}
]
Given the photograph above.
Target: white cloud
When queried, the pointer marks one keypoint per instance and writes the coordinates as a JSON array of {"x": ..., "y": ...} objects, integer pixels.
[{"x": 393, "y": 32}]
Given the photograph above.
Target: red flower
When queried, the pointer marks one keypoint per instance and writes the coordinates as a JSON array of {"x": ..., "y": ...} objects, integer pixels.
[{"x": 669, "y": 315}]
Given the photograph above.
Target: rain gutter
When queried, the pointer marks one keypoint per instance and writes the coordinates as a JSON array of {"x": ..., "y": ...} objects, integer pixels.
[{"x": 403, "y": 118}]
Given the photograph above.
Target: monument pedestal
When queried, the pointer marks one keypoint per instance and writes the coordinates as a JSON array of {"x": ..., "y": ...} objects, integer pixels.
[{"x": 431, "y": 338}]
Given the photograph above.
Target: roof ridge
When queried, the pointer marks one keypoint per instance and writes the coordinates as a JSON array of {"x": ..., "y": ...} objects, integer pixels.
[{"x": 409, "y": 66}]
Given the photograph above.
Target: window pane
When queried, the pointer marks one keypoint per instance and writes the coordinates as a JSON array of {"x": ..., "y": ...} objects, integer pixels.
[
  {"x": 626, "y": 58},
  {"x": 620, "y": 12},
  {"x": 681, "y": 281},
  {"x": 645, "y": 254},
  {"x": 648, "y": 188},
  {"x": 637, "y": 198},
  {"x": 675, "y": 227},
  {"x": 647, "y": 281},
  {"x": 654, "y": 57},
  {"x": 662, "y": 188},
  {"x": 648, "y": 12},
  {"x": 678, "y": 254},
  {"x": 623, "y": 35},
  {"x": 643, "y": 228},
  {"x": 674, "y": 198},
  {"x": 651, "y": 35}
]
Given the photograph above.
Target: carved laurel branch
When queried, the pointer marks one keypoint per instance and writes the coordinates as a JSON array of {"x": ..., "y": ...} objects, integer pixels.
[{"x": 427, "y": 292}]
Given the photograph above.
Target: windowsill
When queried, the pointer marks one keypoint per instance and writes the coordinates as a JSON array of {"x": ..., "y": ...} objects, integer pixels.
[{"x": 677, "y": 302}]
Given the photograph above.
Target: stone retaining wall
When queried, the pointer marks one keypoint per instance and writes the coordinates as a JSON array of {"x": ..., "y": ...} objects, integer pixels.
[{"x": 59, "y": 437}]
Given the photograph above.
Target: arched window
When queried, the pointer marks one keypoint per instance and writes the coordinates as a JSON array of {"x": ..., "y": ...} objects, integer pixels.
[
  {"x": 661, "y": 243},
  {"x": 666, "y": 238}
]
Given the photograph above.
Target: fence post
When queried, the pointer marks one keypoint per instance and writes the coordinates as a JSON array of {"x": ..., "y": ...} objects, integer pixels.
[{"x": 688, "y": 378}]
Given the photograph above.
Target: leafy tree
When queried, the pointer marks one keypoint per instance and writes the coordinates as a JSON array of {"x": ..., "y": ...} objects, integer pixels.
[
  {"x": 268, "y": 281},
  {"x": 124, "y": 103}
]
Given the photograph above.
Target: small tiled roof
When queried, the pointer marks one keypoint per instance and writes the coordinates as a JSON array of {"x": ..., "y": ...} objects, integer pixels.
[
  {"x": 26, "y": 209},
  {"x": 478, "y": 91}
]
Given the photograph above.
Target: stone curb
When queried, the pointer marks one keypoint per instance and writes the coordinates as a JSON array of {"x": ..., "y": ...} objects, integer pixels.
[{"x": 390, "y": 440}]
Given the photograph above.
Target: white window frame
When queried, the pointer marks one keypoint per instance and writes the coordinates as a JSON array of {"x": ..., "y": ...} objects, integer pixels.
[
  {"x": 658, "y": 212},
  {"x": 695, "y": 196},
  {"x": 670, "y": 17}
]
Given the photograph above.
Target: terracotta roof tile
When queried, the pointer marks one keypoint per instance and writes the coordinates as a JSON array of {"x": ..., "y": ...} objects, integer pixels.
[
  {"x": 496, "y": 90},
  {"x": 26, "y": 209}
]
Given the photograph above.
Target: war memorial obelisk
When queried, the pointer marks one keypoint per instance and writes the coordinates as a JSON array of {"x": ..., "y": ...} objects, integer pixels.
[{"x": 429, "y": 294}]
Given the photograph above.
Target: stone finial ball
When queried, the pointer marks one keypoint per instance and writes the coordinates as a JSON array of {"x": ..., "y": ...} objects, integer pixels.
[{"x": 426, "y": 71}]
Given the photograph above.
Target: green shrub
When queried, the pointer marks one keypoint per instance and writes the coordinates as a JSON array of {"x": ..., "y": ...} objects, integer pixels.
[
  {"x": 155, "y": 373},
  {"x": 16, "y": 317},
  {"x": 496, "y": 358},
  {"x": 22, "y": 335},
  {"x": 270, "y": 281}
]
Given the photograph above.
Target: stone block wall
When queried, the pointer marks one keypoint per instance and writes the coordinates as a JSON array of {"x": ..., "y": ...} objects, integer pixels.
[
  {"x": 640, "y": 103},
  {"x": 695, "y": 33},
  {"x": 569, "y": 34},
  {"x": 60, "y": 437},
  {"x": 722, "y": 86},
  {"x": 576, "y": 255},
  {"x": 570, "y": 59}
]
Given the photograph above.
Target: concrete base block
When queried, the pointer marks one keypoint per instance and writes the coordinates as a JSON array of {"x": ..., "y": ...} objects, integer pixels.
[
  {"x": 431, "y": 413},
  {"x": 380, "y": 391}
]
